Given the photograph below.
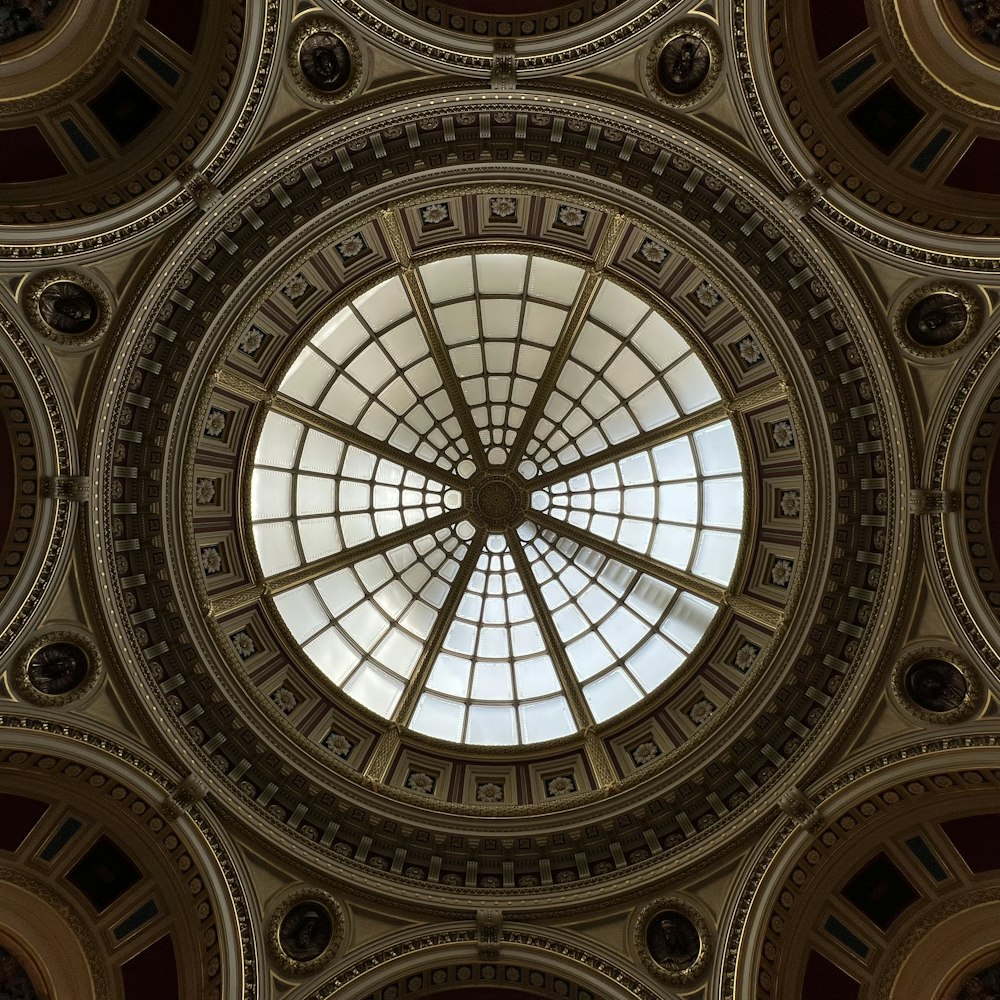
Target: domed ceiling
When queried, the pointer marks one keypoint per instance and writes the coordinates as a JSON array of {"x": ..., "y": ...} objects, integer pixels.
[{"x": 525, "y": 528}]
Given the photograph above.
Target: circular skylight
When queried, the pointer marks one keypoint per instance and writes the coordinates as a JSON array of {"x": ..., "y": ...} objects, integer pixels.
[{"x": 497, "y": 499}]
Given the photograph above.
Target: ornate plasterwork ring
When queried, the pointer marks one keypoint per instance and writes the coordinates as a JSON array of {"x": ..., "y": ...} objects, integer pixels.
[
  {"x": 322, "y": 25},
  {"x": 701, "y": 30},
  {"x": 306, "y": 894},
  {"x": 969, "y": 299},
  {"x": 31, "y": 301},
  {"x": 973, "y": 692},
  {"x": 645, "y": 917},
  {"x": 25, "y": 688}
]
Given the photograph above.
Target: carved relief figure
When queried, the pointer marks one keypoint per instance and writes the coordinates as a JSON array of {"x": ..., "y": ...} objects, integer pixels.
[
  {"x": 984, "y": 985},
  {"x": 68, "y": 307},
  {"x": 15, "y": 983},
  {"x": 325, "y": 62},
  {"x": 23, "y": 17},
  {"x": 936, "y": 685},
  {"x": 673, "y": 941},
  {"x": 305, "y": 932},
  {"x": 684, "y": 64},
  {"x": 983, "y": 18},
  {"x": 937, "y": 319},
  {"x": 57, "y": 668}
]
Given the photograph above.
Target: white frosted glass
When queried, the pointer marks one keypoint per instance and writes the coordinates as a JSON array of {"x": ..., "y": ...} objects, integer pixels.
[
  {"x": 545, "y": 720},
  {"x": 308, "y": 376},
  {"x": 365, "y": 625},
  {"x": 691, "y": 385},
  {"x": 623, "y": 631},
  {"x": 321, "y": 453},
  {"x": 340, "y": 336},
  {"x": 275, "y": 541},
  {"x": 654, "y": 661},
  {"x": 500, "y": 319},
  {"x": 270, "y": 494},
  {"x": 659, "y": 342},
  {"x": 384, "y": 304},
  {"x": 535, "y": 677},
  {"x": 339, "y": 591},
  {"x": 333, "y": 654},
  {"x": 611, "y": 694},
  {"x": 679, "y": 502},
  {"x": 543, "y": 323},
  {"x": 501, "y": 273},
  {"x": 716, "y": 554},
  {"x": 650, "y": 598},
  {"x": 717, "y": 451},
  {"x": 588, "y": 655},
  {"x": 674, "y": 460},
  {"x": 653, "y": 407},
  {"x": 618, "y": 309},
  {"x": 458, "y": 322},
  {"x": 723, "y": 502},
  {"x": 450, "y": 278},
  {"x": 371, "y": 369},
  {"x": 345, "y": 401},
  {"x": 628, "y": 372},
  {"x": 492, "y": 682},
  {"x": 398, "y": 652},
  {"x": 450, "y": 675},
  {"x": 375, "y": 690},
  {"x": 405, "y": 343},
  {"x": 319, "y": 537},
  {"x": 491, "y": 725},
  {"x": 279, "y": 441},
  {"x": 688, "y": 619},
  {"x": 594, "y": 346},
  {"x": 303, "y": 613},
  {"x": 554, "y": 281},
  {"x": 439, "y": 717},
  {"x": 315, "y": 495},
  {"x": 672, "y": 544},
  {"x": 356, "y": 528}
]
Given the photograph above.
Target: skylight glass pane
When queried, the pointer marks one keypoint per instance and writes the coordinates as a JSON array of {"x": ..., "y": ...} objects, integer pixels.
[{"x": 528, "y": 589}]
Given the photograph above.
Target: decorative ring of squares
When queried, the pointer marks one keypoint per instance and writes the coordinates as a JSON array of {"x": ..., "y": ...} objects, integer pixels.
[
  {"x": 936, "y": 685},
  {"x": 325, "y": 61},
  {"x": 57, "y": 668},
  {"x": 673, "y": 940},
  {"x": 68, "y": 307},
  {"x": 937, "y": 319},
  {"x": 305, "y": 931},
  {"x": 683, "y": 63},
  {"x": 497, "y": 499}
]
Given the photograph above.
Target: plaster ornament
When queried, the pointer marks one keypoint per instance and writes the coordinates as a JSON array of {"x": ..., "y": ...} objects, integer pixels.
[
  {"x": 325, "y": 62},
  {"x": 68, "y": 307},
  {"x": 58, "y": 668},
  {"x": 684, "y": 64},
  {"x": 937, "y": 319},
  {"x": 673, "y": 941}
]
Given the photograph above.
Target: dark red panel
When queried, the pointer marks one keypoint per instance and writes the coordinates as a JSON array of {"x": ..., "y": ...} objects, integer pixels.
[
  {"x": 18, "y": 817},
  {"x": 7, "y": 477},
  {"x": 979, "y": 168},
  {"x": 977, "y": 839},
  {"x": 27, "y": 157},
  {"x": 180, "y": 22},
  {"x": 826, "y": 981},
  {"x": 152, "y": 974},
  {"x": 835, "y": 24}
]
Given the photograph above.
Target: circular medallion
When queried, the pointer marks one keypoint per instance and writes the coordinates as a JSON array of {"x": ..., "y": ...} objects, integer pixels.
[
  {"x": 58, "y": 668},
  {"x": 67, "y": 306},
  {"x": 305, "y": 930},
  {"x": 982, "y": 985},
  {"x": 936, "y": 686},
  {"x": 497, "y": 502},
  {"x": 325, "y": 62},
  {"x": 936, "y": 320},
  {"x": 683, "y": 65},
  {"x": 673, "y": 940}
]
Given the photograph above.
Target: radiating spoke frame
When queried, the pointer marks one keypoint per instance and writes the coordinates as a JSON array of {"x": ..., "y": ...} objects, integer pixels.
[{"x": 497, "y": 499}]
